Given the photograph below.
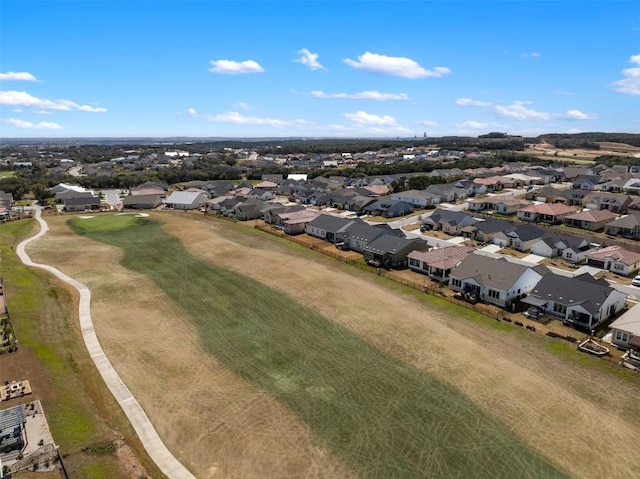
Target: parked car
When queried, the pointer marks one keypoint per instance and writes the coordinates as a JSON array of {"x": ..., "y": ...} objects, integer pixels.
[{"x": 636, "y": 281}]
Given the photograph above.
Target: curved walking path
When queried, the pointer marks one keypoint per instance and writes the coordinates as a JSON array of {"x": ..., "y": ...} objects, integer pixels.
[{"x": 156, "y": 449}]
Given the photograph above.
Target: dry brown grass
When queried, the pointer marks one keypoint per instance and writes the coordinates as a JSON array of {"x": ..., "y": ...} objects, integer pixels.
[{"x": 584, "y": 419}]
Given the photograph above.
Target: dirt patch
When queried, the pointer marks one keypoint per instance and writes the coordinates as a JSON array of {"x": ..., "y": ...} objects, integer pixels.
[{"x": 217, "y": 424}]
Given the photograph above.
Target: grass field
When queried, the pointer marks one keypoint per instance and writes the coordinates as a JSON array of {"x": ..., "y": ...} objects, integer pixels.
[
  {"x": 383, "y": 417},
  {"x": 51, "y": 354}
]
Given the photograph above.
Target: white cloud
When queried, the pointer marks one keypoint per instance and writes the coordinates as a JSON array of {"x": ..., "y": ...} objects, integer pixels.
[
  {"x": 518, "y": 111},
  {"x": 43, "y": 125},
  {"x": 363, "y": 95},
  {"x": 428, "y": 123},
  {"x": 23, "y": 98},
  {"x": 17, "y": 76},
  {"x": 398, "y": 66},
  {"x": 364, "y": 118},
  {"x": 241, "y": 106},
  {"x": 470, "y": 102},
  {"x": 530, "y": 55},
  {"x": 231, "y": 67},
  {"x": 630, "y": 84},
  {"x": 309, "y": 60},
  {"x": 578, "y": 115},
  {"x": 563, "y": 93},
  {"x": 474, "y": 125},
  {"x": 238, "y": 118}
]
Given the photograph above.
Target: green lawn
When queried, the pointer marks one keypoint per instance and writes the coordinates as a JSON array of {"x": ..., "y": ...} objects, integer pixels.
[
  {"x": 74, "y": 399},
  {"x": 7, "y": 174},
  {"x": 385, "y": 418}
]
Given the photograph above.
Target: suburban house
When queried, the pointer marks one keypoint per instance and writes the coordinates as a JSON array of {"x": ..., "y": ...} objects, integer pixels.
[
  {"x": 552, "y": 213},
  {"x": 582, "y": 301},
  {"x": 519, "y": 237},
  {"x": 632, "y": 187},
  {"x": 417, "y": 198},
  {"x": 250, "y": 209},
  {"x": 6, "y": 199},
  {"x": 625, "y": 331},
  {"x": 509, "y": 205},
  {"x": 546, "y": 194},
  {"x": 616, "y": 203},
  {"x": 358, "y": 203},
  {"x": 438, "y": 263},
  {"x": 449, "y": 221},
  {"x": 185, "y": 200},
  {"x": 270, "y": 215},
  {"x": 493, "y": 280},
  {"x": 142, "y": 202},
  {"x": 587, "y": 182},
  {"x": 486, "y": 230},
  {"x": 329, "y": 228},
  {"x": 554, "y": 245},
  {"x": 628, "y": 226},
  {"x": 592, "y": 220},
  {"x": 81, "y": 203},
  {"x": 388, "y": 208},
  {"x": 578, "y": 254},
  {"x": 615, "y": 259},
  {"x": 571, "y": 197},
  {"x": 359, "y": 235},
  {"x": 389, "y": 251},
  {"x": 491, "y": 183},
  {"x": 294, "y": 222}
]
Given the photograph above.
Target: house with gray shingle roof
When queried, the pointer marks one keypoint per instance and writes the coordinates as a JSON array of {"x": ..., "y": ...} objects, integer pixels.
[
  {"x": 438, "y": 263},
  {"x": 554, "y": 245},
  {"x": 616, "y": 203},
  {"x": 582, "y": 301},
  {"x": 449, "y": 221},
  {"x": 329, "y": 227},
  {"x": 493, "y": 280},
  {"x": 389, "y": 251},
  {"x": 628, "y": 226},
  {"x": 519, "y": 237}
]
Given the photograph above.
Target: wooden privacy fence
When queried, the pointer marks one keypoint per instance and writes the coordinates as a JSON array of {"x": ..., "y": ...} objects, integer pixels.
[{"x": 426, "y": 286}]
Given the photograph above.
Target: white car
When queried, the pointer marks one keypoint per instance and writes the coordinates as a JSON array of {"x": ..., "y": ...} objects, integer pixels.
[{"x": 636, "y": 281}]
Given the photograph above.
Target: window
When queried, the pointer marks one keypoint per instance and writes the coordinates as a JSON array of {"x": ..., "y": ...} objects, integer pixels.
[
  {"x": 622, "y": 336},
  {"x": 494, "y": 294},
  {"x": 456, "y": 282},
  {"x": 414, "y": 262},
  {"x": 569, "y": 255},
  {"x": 560, "y": 308}
]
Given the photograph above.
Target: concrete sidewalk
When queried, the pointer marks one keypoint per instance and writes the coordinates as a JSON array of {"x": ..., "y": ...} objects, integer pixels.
[{"x": 156, "y": 449}]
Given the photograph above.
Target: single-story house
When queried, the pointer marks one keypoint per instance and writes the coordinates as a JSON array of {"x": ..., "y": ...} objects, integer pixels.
[
  {"x": 329, "y": 227},
  {"x": 552, "y": 213},
  {"x": 616, "y": 203},
  {"x": 142, "y": 202},
  {"x": 438, "y": 263},
  {"x": 250, "y": 209},
  {"x": 388, "y": 208},
  {"x": 582, "y": 301},
  {"x": 520, "y": 237},
  {"x": 185, "y": 200},
  {"x": 628, "y": 226},
  {"x": 625, "y": 331},
  {"x": 81, "y": 203},
  {"x": 555, "y": 244},
  {"x": 294, "y": 222},
  {"x": 509, "y": 205},
  {"x": 488, "y": 229},
  {"x": 449, "y": 221},
  {"x": 417, "y": 198},
  {"x": 494, "y": 280},
  {"x": 616, "y": 259},
  {"x": 389, "y": 251},
  {"x": 359, "y": 235},
  {"x": 592, "y": 220}
]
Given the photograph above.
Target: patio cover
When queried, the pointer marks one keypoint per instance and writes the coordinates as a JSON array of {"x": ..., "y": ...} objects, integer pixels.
[{"x": 533, "y": 301}]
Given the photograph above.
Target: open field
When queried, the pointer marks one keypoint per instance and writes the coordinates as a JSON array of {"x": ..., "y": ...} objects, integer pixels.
[
  {"x": 80, "y": 411},
  {"x": 248, "y": 402},
  {"x": 582, "y": 156}
]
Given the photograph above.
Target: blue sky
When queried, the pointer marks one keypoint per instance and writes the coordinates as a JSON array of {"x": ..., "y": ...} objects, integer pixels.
[{"x": 317, "y": 69}]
